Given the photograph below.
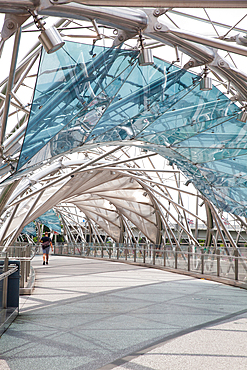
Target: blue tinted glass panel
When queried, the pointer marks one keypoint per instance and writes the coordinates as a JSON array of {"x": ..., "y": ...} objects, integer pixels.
[
  {"x": 84, "y": 100},
  {"x": 70, "y": 82},
  {"x": 139, "y": 109},
  {"x": 29, "y": 229},
  {"x": 50, "y": 220}
]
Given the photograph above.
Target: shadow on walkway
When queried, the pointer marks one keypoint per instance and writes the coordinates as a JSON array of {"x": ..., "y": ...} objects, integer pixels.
[{"x": 91, "y": 314}]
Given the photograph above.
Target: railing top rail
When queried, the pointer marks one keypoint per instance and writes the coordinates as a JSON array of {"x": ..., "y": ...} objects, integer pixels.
[
  {"x": 218, "y": 262},
  {"x": 19, "y": 258},
  {"x": 8, "y": 273},
  {"x": 16, "y": 246}
]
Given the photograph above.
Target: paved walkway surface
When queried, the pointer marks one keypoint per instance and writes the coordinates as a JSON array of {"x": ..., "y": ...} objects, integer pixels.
[{"x": 91, "y": 314}]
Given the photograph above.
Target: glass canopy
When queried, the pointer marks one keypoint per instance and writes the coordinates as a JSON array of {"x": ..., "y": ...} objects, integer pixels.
[
  {"x": 50, "y": 220},
  {"x": 85, "y": 98}
]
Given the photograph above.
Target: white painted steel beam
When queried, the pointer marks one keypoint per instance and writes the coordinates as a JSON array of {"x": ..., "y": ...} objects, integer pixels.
[
  {"x": 4, "y": 118},
  {"x": 210, "y": 42},
  {"x": 123, "y": 18},
  {"x": 164, "y": 3}
]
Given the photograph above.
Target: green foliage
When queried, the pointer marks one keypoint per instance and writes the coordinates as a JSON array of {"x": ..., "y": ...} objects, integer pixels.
[{"x": 59, "y": 238}]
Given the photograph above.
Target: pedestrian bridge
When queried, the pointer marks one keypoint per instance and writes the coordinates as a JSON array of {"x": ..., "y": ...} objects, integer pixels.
[{"x": 94, "y": 314}]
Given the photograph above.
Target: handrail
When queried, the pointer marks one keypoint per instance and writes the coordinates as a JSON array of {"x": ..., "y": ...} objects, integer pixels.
[
  {"x": 25, "y": 258},
  {"x": 8, "y": 273},
  {"x": 221, "y": 265},
  {"x": 24, "y": 254}
]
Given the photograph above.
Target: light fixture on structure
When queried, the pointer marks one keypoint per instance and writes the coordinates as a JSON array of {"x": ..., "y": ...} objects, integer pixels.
[
  {"x": 145, "y": 57},
  {"x": 49, "y": 38},
  {"x": 206, "y": 82},
  {"x": 242, "y": 117}
]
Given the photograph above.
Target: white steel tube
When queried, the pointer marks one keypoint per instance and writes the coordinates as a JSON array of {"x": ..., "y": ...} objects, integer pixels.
[{"x": 10, "y": 84}]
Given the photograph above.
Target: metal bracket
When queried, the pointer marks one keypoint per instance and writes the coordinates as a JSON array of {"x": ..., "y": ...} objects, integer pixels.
[
  {"x": 219, "y": 62},
  {"x": 11, "y": 23},
  {"x": 193, "y": 63},
  {"x": 122, "y": 36},
  {"x": 160, "y": 11}
]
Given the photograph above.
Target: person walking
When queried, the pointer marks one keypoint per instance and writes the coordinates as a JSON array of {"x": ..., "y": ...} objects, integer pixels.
[{"x": 46, "y": 244}]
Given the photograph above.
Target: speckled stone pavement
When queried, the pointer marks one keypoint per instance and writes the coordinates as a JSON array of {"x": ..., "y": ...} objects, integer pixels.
[{"x": 91, "y": 314}]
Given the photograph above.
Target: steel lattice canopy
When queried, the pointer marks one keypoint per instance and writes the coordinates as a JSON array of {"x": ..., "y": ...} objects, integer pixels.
[{"x": 85, "y": 99}]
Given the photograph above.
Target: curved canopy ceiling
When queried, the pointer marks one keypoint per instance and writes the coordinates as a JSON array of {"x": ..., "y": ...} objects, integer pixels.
[{"x": 107, "y": 197}]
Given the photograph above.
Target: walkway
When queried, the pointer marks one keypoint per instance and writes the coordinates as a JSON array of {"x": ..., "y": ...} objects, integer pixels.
[{"x": 90, "y": 314}]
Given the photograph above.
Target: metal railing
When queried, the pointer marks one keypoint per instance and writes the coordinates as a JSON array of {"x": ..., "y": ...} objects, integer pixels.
[
  {"x": 7, "y": 269},
  {"x": 24, "y": 254},
  {"x": 217, "y": 263},
  {"x": 9, "y": 291}
]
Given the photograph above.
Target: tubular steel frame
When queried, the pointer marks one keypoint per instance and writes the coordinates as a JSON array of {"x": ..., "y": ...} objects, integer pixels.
[{"x": 26, "y": 192}]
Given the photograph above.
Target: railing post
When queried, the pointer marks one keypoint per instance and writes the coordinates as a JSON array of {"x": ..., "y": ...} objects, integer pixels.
[
  {"x": 22, "y": 270},
  {"x": 126, "y": 253},
  {"x": 202, "y": 261},
  {"x": 154, "y": 253},
  {"x": 236, "y": 254},
  {"x": 164, "y": 255},
  {"x": 218, "y": 261},
  {"x": 117, "y": 251},
  {"x": 28, "y": 255},
  {"x": 189, "y": 255},
  {"x": 134, "y": 250},
  {"x": 5, "y": 281},
  {"x": 109, "y": 252},
  {"x": 102, "y": 251},
  {"x": 144, "y": 253},
  {"x": 176, "y": 257},
  {"x": 26, "y": 267}
]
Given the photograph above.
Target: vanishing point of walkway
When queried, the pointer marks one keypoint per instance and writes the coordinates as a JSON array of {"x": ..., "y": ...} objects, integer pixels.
[{"x": 87, "y": 314}]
